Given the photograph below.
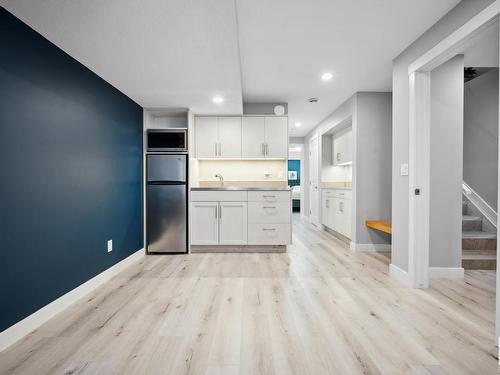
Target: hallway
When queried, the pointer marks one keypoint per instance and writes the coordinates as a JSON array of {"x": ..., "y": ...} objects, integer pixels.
[{"x": 318, "y": 309}]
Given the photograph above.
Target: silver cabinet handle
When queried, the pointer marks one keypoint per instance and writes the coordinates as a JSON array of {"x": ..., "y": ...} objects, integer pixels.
[
  {"x": 266, "y": 229},
  {"x": 263, "y": 149},
  {"x": 267, "y": 149},
  {"x": 216, "y": 210},
  {"x": 268, "y": 206},
  {"x": 341, "y": 206},
  {"x": 268, "y": 196},
  {"x": 220, "y": 212},
  {"x": 338, "y": 156},
  {"x": 216, "y": 149},
  {"x": 327, "y": 203},
  {"x": 220, "y": 149}
]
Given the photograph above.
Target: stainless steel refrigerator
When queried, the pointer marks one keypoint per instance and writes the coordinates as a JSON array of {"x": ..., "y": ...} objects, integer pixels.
[{"x": 166, "y": 203}]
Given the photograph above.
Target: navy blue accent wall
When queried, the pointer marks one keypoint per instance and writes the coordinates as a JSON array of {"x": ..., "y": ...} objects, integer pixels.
[
  {"x": 71, "y": 171},
  {"x": 294, "y": 165}
]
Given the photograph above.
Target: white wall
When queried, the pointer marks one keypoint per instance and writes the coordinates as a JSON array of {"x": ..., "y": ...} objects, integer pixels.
[
  {"x": 446, "y": 149},
  {"x": 373, "y": 155},
  {"x": 481, "y": 136},
  {"x": 400, "y": 85}
]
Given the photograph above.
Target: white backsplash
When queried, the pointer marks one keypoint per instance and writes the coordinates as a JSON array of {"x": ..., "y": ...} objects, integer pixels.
[
  {"x": 243, "y": 170},
  {"x": 336, "y": 173}
]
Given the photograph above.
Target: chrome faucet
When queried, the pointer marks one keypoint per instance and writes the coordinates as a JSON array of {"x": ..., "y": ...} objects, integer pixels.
[{"x": 221, "y": 179}]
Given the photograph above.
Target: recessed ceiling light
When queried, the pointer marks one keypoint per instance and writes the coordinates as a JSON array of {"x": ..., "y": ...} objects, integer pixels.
[
  {"x": 326, "y": 76},
  {"x": 218, "y": 99},
  {"x": 298, "y": 124}
]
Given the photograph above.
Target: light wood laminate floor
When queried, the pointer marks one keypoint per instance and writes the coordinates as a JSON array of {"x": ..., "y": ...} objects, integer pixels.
[{"x": 319, "y": 309}]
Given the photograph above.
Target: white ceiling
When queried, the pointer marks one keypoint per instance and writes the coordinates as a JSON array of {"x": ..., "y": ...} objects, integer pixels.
[{"x": 180, "y": 53}]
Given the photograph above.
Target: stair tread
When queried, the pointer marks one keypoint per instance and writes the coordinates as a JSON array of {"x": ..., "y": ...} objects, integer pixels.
[
  {"x": 478, "y": 235},
  {"x": 479, "y": 256},
  {"x": 470, "y": 218}
]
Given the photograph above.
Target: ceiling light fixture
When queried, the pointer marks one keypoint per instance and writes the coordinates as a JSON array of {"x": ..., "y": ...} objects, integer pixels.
[
  {"x": 218, "y": 99},
  {"x": 326, "y": 76},
  {"x": 298, "y": 124}
]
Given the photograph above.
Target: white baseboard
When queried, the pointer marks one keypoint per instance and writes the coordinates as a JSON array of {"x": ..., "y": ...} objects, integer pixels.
[
  {"x": 35, "y": 320},
  {"x": 447, "y": 272},
  {"x": 399, "y": 274},
  {"x": 369, "y": 247}
]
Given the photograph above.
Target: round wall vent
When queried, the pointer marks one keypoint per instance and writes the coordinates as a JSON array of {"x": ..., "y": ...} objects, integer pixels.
[{"x": 313, "y": 100}]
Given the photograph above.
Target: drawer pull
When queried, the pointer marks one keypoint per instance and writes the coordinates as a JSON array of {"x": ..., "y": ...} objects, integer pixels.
[
  {"x": 267, "y": 229},
  {"x": 268, "y": 206},
  {"x": 269, "y": 196}
]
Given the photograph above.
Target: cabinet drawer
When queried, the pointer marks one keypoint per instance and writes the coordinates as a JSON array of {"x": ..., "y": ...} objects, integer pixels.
[
  {"x": 269, "y": 196},
  {"x": 269, "y": 234},
  {"x": 218, "y": 195},
  {"x": 263, "y": 212},
  {"x": 338, "y": 193}
]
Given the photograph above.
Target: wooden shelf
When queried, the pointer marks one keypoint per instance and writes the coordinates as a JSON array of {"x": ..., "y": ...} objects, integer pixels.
[{"x": 381, "y": 225}]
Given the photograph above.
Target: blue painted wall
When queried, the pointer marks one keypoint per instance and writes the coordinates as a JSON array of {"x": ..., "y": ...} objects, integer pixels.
[
  {"x": 294, "y": 165},
  {"x": 71, "y": 171}
]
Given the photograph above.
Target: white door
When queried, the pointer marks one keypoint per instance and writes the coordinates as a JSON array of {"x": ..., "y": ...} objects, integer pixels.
[
  {"x": 253, "y": 137},
  {"x": 276, "y": 137},
  {"x": 233, "y": 223},
  {"x": 204, "y": 223},
  {"x": 230, "y": 137},
  {"x": 325, "y": 211},
  {"x": 206, "y": 137},
  {"x": 313, "y": 181}
]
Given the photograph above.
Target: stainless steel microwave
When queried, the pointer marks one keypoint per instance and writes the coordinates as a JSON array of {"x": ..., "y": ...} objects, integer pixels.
[{"x": 167, "y": 140}]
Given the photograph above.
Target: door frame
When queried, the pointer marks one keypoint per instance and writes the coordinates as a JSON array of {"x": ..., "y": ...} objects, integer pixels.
[
  {"x": 419, "y": 139},
  {"x": 316, "y": 170}
]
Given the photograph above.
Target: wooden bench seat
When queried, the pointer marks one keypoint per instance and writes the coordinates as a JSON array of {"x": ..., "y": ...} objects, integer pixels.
[{"x": 381, "y": 225}]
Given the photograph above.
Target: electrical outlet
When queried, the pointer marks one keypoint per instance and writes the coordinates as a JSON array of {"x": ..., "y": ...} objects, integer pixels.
[{"x": 110, "y": 246}]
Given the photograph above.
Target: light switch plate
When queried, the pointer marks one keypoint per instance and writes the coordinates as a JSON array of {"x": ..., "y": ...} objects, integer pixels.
[
  {"x": 110, "y": 246},
  {"x": 404, "y": 169}
]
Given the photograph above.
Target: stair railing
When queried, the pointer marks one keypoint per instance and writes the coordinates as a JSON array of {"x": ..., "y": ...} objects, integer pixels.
[{"x": 472, "y": 196}]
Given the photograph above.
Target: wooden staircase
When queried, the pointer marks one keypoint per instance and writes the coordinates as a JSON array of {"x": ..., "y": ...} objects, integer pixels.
[{"x": 479, "y": 243}]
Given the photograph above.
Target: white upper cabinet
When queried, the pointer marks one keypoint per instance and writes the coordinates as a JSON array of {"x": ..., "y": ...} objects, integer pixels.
[
  {"x": 207, "y": 137},
  {"x": 276, "y": 137},
  {"x": 229, "y": 137},
  {"x": 218, "y": 137},
  {"x": 253, "y": 137},
  {"x": 236, "y": 137},
  {"x": 342, "y": 147}
]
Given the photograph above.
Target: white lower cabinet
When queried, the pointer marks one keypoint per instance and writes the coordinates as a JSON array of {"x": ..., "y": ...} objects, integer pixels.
[
  {"x": 219, "y": 223},
  {"x": 204, "y": 219},
  {"x": 233, "y": 223},
  {"x": 238, "y": 218},
  {"x": 337, "y": 211}
]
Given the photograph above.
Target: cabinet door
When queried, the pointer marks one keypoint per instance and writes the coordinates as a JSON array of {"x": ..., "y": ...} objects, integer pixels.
[
  {"x": 253, "y": 137},
  {"x": 276, "y": 137},
  {"x": 230, "y": 137},
  {"x": 342, "y": 147},
  {"x": 206, "y": 137},
  {"x": 336, "y": 215},
  {"x": 233, "y": 223},
  {"x": 204, "y": 223},
  {"x": 347, "y": 217},
  {"x": 325, "y": 211}
]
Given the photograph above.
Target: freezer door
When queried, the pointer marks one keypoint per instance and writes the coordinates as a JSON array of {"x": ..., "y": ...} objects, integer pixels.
[
  {"x": 166, "y": 168},
  {"x": 166, "y": 221}
]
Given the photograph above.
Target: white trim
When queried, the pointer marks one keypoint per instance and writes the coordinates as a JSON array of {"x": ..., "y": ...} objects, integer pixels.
[
  {"x": 446, "y": 49},
  {"x": 478, "y": 202},
  {"x": 369, "y": 247},
  {"x": 447, "y": 272},
  {"x": 419, "y": 178},
  {"x": 35, "y": 320},
  {"x": 399, "y": 274}
]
